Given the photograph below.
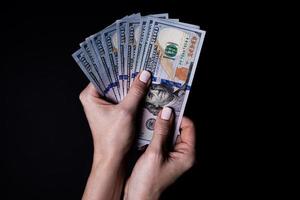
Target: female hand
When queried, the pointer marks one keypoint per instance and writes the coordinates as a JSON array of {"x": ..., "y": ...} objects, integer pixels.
[
  {"x": 156, "y": 169},
  {"x": 112, "y": 129}
]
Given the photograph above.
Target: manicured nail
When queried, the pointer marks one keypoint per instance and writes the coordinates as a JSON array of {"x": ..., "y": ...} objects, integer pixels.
[
  {"x": 145, "y": 76},
  {"x": 166, "y": 113}
]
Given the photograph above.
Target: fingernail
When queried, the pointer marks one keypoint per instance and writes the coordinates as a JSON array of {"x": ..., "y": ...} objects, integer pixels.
[
  {"x": 166, "y": 113},
  {"x": 145, "y": 76}
]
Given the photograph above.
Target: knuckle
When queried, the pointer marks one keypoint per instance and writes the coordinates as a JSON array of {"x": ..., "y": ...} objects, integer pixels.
[
  {"x": 85, "y": 98},
  {"x": 82, "y": 96},
  {"x": 89, "y": 98}
]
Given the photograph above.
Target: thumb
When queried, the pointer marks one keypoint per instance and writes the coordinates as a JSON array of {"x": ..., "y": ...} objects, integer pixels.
[
  {"x": 137, "y": 91},
  {"x": 162, "y": 128}
]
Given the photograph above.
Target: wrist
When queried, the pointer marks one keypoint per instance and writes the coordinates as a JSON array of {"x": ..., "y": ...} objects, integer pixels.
[
  {"x": 138, "y": 195},
  {"x": 106, "y": 178},
  {"x": 142, "y": 197},
  {"x": 111, "y": 162},
  {"x": 108, "y": 155}
]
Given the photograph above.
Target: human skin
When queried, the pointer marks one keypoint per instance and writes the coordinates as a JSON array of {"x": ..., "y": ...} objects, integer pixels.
[
  {"x": 113, "y": 128},
  {"x": 156, "y": 169}
]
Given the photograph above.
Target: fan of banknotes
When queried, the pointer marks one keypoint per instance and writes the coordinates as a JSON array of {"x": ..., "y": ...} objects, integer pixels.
[{"x": 167, "y": 48}]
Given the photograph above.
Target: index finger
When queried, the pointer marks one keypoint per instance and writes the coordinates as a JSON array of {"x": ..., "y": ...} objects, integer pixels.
[
  {"x": 90, "y": 94},
  {"x": 91, "y": 90}
]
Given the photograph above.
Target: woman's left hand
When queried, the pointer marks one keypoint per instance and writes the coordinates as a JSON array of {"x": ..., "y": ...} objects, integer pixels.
[{"x": 112, "y": 129}]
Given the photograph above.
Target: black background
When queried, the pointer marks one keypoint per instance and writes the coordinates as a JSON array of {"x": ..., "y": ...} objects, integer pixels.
[{"x": 46, "y": 142}]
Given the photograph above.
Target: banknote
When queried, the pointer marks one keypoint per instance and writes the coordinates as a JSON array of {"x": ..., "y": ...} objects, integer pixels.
[
  {"x": 101, "y": 54},
  {"x": 92, "y": 59},
  {"x": 108, "y": 84},
  {"x": 160, "y": 15},
  {"x": 86, "y": 67},
  {"x": 143, "y": 31},
  {"x": 110, "y": 43},
  {"x": 130, "y": 46},
  {"x": 168, "y": 48},
  {"x": 150, "y": 21},
  {"x": 149, "y": 25},
  {"x": 171, "y": 57},
  {"x": 121, "y": 27},
  {"x": 122, "y": 40},
  {"x": 133, "y": 27}
]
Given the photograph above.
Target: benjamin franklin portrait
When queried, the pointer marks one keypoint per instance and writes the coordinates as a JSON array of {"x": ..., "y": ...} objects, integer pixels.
[{"x": 161, "y": 95}]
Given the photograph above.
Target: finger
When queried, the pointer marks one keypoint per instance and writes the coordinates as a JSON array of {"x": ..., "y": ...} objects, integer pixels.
[
  {"x": 162, "y": 128},
  {"x": 90, "y": 93},
  {"x": 188, "y": 133},
  {"x": 137, "y": 91},
  {"x": 91, "y": 90}
]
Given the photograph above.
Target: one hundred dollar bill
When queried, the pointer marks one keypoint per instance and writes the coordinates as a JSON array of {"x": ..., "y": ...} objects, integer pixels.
[
  {"x": 121, "y": 27},
  {"x": 134, "y": 32},
  {"x": 86, "y": 67},
  {"x": 102, "y": 56},
  {"x": 169, "y": 49},
  {"x": 110, "y": 43},
  {"x": 122, "y": 39},
  {"x": 160, "y": 15},
  {"x": 92, "y": 58},
  {"x": 144, "y": 26},
  {"x": 171, "y": 57},
  {"x": 150, "y": 21}
]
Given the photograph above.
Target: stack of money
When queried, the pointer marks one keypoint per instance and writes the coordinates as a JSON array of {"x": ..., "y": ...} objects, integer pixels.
[{"x": 167, "y": 48}]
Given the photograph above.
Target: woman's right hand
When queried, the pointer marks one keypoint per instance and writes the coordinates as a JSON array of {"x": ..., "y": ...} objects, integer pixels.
[{"x": 156, "y": 169}]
